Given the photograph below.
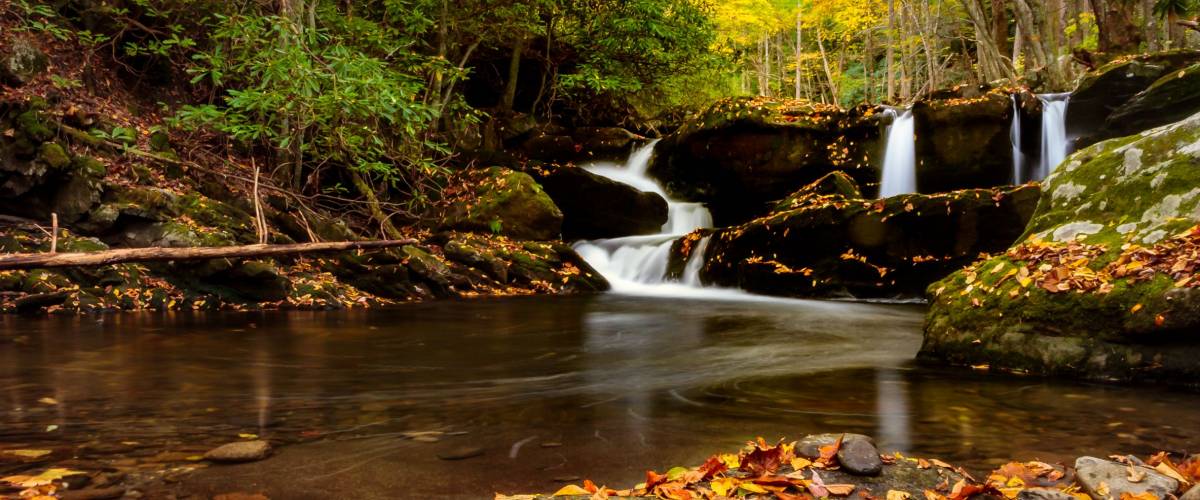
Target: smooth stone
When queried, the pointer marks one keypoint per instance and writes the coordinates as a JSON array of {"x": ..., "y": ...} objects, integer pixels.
[
  {"x": 461, "y": 453},
  {"x": 242, "y": 451},
  {"x": 860, "y": 457},
  {"x": 810, "y": 446},
  {"x": 1192, "y": 494},
  {"x": 1043, "y": 494},
  {"x": 1091, "y": 472}
]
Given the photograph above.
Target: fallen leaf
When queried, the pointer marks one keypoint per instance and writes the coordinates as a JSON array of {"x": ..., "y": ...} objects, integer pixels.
[
  {"x": 47, "y": 477},
  {"x": 571, "y": 490},
  {"x": 48, "y": 401},
  {"x": 1135, "y": 474},
  {"x": 28, "y": 453},
  {"x": 898, "y": 495}
]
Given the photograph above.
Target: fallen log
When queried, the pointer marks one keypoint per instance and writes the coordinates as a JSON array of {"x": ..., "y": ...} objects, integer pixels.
[{"x": 19, "y": 261}]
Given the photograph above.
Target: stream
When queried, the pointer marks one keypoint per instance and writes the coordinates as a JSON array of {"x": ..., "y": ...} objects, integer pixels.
[{"x": 548, "y": 389}]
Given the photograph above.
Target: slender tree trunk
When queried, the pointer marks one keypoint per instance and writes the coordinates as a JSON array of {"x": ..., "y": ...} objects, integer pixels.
[
  {"x": 833, "y": 90},
  {"x": 1151, "y": 24},
  {"x": 991, "y": 60},
  {"x": 891, "y": 48},
  {"x": 799, "y": 39},
  {"x": 1000, "y": 28},
  {"x": 514, "y": 71}
]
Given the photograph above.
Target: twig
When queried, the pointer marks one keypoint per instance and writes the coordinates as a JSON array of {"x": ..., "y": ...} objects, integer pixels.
[
  {"x": 54, "y": 233},
  {"x": 161, "y": 254}
]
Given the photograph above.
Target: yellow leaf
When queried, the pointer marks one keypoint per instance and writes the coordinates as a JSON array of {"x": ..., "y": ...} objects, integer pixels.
[
  {"x": 840, "y": 489},
  {"x": 731, "y": 460},
  {"x": 571, "y": 490},
  {"x": 1011, "y": 493},
  {"x": 753, "y": 488},
  {"x": 800, "y": 463},
  {"x": 724, "y": 486},
  {"x": 898, "y": 495},
  {"x": 1171, "y": 472},
  {"x": 42, "y": 479},
  {"x": 48, "y": 401},
  {"x": 248, "y": 436},
  {"x": 1135, "y": 308},
  {"x": 28, "y": 453}
]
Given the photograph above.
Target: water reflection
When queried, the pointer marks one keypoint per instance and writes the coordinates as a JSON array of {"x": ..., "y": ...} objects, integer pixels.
[{"x": 655, "y": 382}]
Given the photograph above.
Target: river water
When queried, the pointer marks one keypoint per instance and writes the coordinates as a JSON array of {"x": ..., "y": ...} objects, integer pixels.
[{"x": 551, "y": 389}]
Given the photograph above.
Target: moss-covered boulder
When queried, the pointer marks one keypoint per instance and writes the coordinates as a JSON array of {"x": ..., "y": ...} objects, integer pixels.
[
  {"x": 742, "y": 154},
  {"x": 1104, "y": 282},
  {"x": 1169, "y": 99},
  {"x": 598, "y": 207},
  {"x": 503, "y": 201},
  {"x": 964, "y": 143},
  {"x": 838, "y": 245},
  {"x": 21, "y": 61},
  {"x": 1102, "y": 91},
  {"x": 834, "y": 184}
]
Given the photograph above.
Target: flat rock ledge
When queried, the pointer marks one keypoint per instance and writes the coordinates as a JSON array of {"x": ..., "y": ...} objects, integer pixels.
[{"x": 242, "y": 451}]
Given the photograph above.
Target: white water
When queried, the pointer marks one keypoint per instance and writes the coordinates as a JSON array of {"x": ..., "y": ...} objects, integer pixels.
[
  {"x": 900, "y": 157},
  {"x": 638, "y": 264},
  {"x": 1014, "y": 135},
  {"x": 1054, "y": 133}
]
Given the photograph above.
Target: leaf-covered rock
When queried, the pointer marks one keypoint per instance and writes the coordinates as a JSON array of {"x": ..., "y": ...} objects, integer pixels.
[
  {"x": 1102, "y": 91},
  {"x": 503, "y": 201},
  {"x": 1103, "y": 283}
]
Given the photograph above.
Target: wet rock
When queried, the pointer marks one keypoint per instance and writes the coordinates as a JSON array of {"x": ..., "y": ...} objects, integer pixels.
[
  {"x": 810, "y": 446},
  {"x": 506, "y": 202},
  {"x": 1107, "y": 480},
  {"x": 604, "y": 143},
  {"x": 860, "y": 457},
  {"x": 36, "y": 302},
  {"x": 241, "y": 451},
  {"x": 1102, "y": 91},
  {"x": 1043, "y": 494},
  {"x": 1171, "y": 98},
  {"x": 963, "y": 144},
  {"x": 21, "y": 61},
  {"x": 1192, "y": 494},
  {"x": 553, "y": 148},
  {"x": 463, "y": 252},
  {"x": 596, "y": 207},
  {"x": 903, "y": 476},
  {"x": 834, "y": 184},
  {"x": 832, "y": 246},
  {"x": 461, "y": 453},
  {"x": 742, "y": 154}
]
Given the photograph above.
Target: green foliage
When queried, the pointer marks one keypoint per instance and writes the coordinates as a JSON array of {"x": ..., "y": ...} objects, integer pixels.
[{"x": 1174, "y": 8}]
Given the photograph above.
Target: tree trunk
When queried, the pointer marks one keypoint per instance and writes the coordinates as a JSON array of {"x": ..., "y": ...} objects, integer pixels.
[
  {"x": 514, "y": 71},
  {"x": 891, "y": 47},
  {"x": 1117, "y": 26},
  {"x": 1000, "y": 28},
  {"x": 991, "y": 60},
  {"x": 798, "y": 48},
  {"x": 833, "y": 90},
  {"x": 385, "y": 223},
  {"x": 164, "y": 254}
]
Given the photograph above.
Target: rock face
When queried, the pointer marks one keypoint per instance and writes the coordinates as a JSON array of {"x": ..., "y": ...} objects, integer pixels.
[
  {"x": 505, "y": 202},
  {"x": 1107, "y": 480},
  {"x": 742, "y": 154},
  {"x": 963, "y": 143},
  {"x": 1103, "y": 283},
  {"x": 1109, "y": 87},
  {"x": 836, "y": 245},
  {"x": 1169, "y": 99},
  {"x": 597, "y": 207}
]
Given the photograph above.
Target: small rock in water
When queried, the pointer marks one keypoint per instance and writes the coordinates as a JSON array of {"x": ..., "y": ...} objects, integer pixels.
[
  {"x": 1107, "y": 480},
  {"x": 860, "y": 457},
  {"x": 242, "y": 451},
  {"x": 1192, "y": 494},
  {"x": 1043, "y": 494},
  {"x": 810, "y": 446},
  {"x": 461, "y": 453}
]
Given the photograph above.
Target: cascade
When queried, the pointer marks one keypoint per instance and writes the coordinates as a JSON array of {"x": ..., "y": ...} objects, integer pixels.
[
  {"x": 1014, "y": 135},
  {"x": 638, "y": 263},
  {"x": 1054, "y": 133},
  {"x": 900, "y": 157}
]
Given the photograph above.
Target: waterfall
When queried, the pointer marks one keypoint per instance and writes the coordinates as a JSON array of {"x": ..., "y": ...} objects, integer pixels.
[
  {"x": 1054, "y": 132},
  {"x": 900, "y": 157},
  {"x": 636, "y": 263},
  {"x": 1014, "y": 135}
]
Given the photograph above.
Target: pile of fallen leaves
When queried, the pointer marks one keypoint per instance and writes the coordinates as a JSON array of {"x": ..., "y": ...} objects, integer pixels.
[
  {"x": 1056, "y": 267},
  {"x": 1177, "y": 257},
  {"x": 763, "y": 471}
]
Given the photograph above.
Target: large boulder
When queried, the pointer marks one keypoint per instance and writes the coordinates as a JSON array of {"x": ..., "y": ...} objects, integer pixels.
[
  {"x": 1104, "y": 282},
  {"x": 742, "y": 154},
  {"x": 502, "y": 201},
  {"x": 963, "y": 143},
  {"x": 598, "y": 207},
  {"x": 1102, "y": 91},
  {"x": 835, "y": 245},
  {"x": 1169, "y": 99}
]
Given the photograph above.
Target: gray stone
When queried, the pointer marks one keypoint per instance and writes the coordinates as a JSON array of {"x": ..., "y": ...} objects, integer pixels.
[
  {"x": 21, "y": 62},
  {"x": 810, "y": 446},
  {"x": 1192, "y": 494},
  {"x": 1043, "y": 494},
  {"x": 242, "y": 451},
  {"x": 860, "y": 457},
  {"x": 1096, "y": 475}
]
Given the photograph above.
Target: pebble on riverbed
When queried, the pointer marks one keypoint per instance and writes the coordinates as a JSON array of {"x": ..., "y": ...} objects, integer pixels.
[
  {"x": 242, "y": 451},
  {"x": 1108, "y": 480},
  {"x": 857, "y": 455}
]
